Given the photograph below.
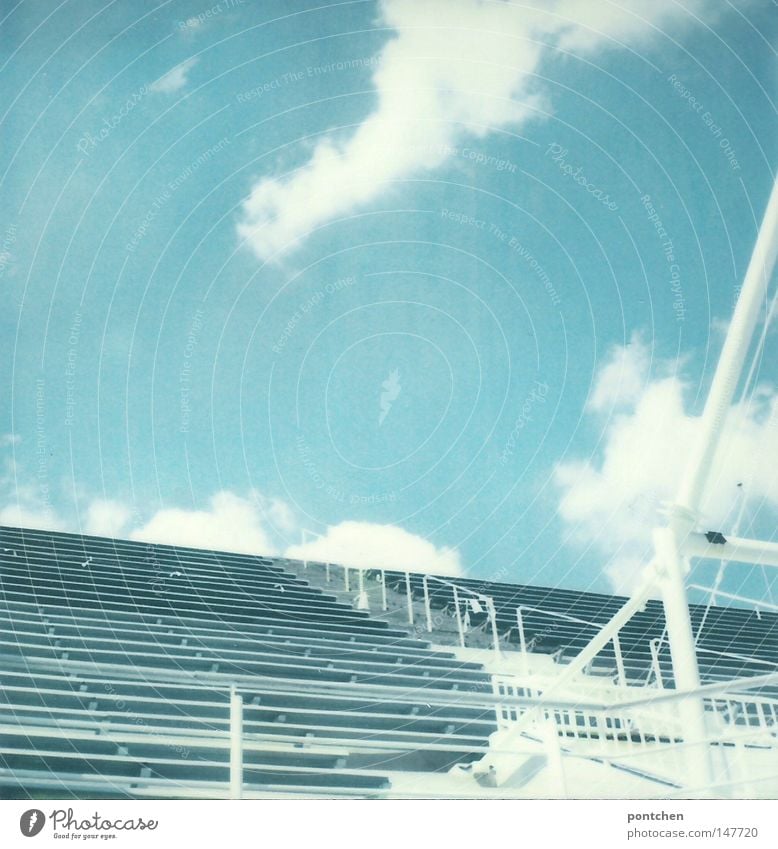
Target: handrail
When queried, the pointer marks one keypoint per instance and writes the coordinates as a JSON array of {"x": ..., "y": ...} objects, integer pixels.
[
  {"x": 620, "y": 669},
  {"x": 488, "y": 600},
  {"x": 735, "y": 597},
  {"x": 708, "y": 689},
  {"x": 735, "y": 656},
  {"x": 549, "y": 732},
  {"x": 728, "y": 654}
]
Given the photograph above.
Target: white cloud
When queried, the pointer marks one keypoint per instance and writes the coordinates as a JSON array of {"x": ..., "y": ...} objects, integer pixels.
[
  {"x": 254, "y": 524},
  {"x": 231, "y": 523},
  {"x": 622, "y": 379},
  {"x": 31, "y": 516},
  {"x": 591, "y": 24},
  {"x": 453, "y": 67},
  {"x": 106, "y": 518},
  {"x": 612, "y": 501},
  {"x": 175, "y": 79},
  {"x": 376, "y": 546}
]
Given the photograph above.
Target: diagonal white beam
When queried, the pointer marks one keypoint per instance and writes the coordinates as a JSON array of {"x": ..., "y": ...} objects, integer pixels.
[
  {"x": 735, "y": 548},
  {"x": 730, "y": 364}
]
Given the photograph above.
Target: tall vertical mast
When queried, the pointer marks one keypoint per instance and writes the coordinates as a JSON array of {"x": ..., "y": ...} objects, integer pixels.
[
  {"x": 730, "y": 364},
  {"x": 684, "y": 512}
]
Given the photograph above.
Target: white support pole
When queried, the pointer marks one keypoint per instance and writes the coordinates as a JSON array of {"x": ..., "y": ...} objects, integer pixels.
[
  {"x": 730, "y": 365},
  {"x": 409, "y": 597},
  {"x": 550, "y": 736},
  {"x": 384, "y": 602},
  {"x": 236, "y": 744},
  {"x": 683, "y": 653},
  {"x": 622, "y": 675},
  {"x": 427, "y": 608},
  {"x": 683, "y": 513},
  {"x": 327, "y": 570},
  {"x": 346, "y": 582},
  {"x": 460, "y": 627}
]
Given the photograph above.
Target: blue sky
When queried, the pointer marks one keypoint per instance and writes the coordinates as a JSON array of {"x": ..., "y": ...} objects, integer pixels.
[{"x": 436, "y": 281}]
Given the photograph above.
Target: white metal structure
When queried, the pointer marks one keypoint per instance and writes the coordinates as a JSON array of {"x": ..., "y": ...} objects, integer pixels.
[{"x": 680, "y": 539}]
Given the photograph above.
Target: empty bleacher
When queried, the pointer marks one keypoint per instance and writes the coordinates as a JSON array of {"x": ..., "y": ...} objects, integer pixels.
[{"x": 116, "y": 660}]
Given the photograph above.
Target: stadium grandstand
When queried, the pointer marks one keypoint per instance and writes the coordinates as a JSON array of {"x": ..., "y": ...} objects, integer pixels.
[{"x": 132, "y": 670}]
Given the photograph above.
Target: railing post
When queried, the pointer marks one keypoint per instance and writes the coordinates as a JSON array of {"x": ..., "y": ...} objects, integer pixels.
[
  {"x": 409, "y": 597},
  {"x": 493, "y": 616},
  {"x": 346, "y": 582},
  {"x": 427, "y": 609},
  {"x": 622, "y": 676},
  {"x": 384, "y": 602},
  {"x": 327, "y": 570},
  {"x": 522, "y": 637},
  {"x": 362, "y": 600},
  {"x": 522, "y": 640},
  {"x": 460, "y": 627},
  {"x": 654, "y": 646},
  {"x": 236, "y": 744}
]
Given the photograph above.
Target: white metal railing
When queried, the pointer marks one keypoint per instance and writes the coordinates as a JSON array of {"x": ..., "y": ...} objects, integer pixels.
[
  {"x": 715, "y": 592},
  {"x": 644, "y": 736},
  {"x": 649, "y": 733},
  {"x": 491, "y": 610},
  {"x": 458, "y": 591},
  {"x": 362, "y": 601},
  {"x": 655, "y": 647},
  {"x": 613, "y": 727},
  {"x": 620, "y": 671}
]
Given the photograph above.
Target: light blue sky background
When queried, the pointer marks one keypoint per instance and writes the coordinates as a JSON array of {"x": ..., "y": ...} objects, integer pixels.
[{"x": 160, "y": 382}]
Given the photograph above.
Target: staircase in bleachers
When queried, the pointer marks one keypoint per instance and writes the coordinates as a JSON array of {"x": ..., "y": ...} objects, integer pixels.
[{"x": 116, "y": 660}]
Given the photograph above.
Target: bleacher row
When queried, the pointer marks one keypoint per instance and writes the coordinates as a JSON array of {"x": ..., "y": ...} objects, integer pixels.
[
  {"x": 731, "y": 642},
  {"x": 116, "y": 659}
]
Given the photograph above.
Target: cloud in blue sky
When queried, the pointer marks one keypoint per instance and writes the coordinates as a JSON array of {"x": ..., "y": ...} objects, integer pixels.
[
  {"x": 250, "y": 524},
  {"x": 487, "y": 270},
  {"x": 377, "y": 546},
  {"x": 435, "y": 83},
  {"x": 175, "y": 79}
]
